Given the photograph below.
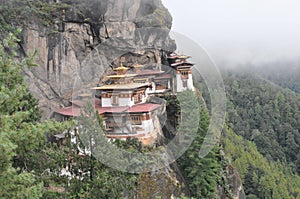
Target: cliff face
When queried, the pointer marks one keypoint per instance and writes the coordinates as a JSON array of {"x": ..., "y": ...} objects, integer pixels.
[
  {"x": 83, "y": 27},
  {"x": 234, "y": 183}
]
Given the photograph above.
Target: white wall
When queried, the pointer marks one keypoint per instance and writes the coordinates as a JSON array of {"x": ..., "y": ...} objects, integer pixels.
[
  {"x": 179, "y": 84},
  {"x": 125, "y": 102},
  {"x": 190, "y": 85},
  {"x": 106, "y": 102},
  {"x": 146, "y": 125}
]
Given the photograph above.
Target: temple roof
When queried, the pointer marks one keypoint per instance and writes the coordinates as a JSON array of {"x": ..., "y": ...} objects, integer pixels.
[
  {"x": 182, "y": 63},
  {"x": 175, "y": 56},
  {"x": 184, "y": 67},
  {"x": 121, "y": 76},
  {"x": 69, "y": 111},
  {"x": 129, "y": 86},
  {"x": 122, "y": 68},
  {"x": 139, "y": 108},
  {"x": 143, "y": 108}
]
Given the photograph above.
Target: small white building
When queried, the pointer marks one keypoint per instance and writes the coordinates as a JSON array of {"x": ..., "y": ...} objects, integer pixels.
[{"x": 183, "y": 78}]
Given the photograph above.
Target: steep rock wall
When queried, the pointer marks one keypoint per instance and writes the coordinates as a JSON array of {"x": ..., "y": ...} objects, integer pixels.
[{"x": 83, "y": 27}]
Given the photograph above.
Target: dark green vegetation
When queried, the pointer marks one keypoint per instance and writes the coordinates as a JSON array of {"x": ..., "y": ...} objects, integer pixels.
[
  {"x": 261, "y": 138},
  {"x": 286, "y": 75},
  {"x": 18, "y": 14},
  {"x": 30, "y": 166},
  {"x": 201, "y": 174},
  {"x": 261, "y": 178},
  {"x": 267, "y": 119},
  {"x": 266, "y": 114},
  {"x": 22, "y": 135}
]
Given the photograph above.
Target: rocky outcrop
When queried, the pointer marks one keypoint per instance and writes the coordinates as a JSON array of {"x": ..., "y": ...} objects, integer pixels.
[
  {"x": 234, "y": 185},
  {"x": 163, "y": 183},
  {"x": 87, "y": 29}
]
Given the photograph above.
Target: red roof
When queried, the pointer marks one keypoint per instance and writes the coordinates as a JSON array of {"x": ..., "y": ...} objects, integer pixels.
[
  {"x": 69, "y": 111},
  {"x": 74, "y": 111},
  {"x": 179, "y": 63},
  {"x": 143, "y": 108},
  {"x": 102, "y": 110}
]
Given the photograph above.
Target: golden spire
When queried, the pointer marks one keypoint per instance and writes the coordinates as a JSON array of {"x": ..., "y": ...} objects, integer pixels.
[{"x": 121, "y": 70}]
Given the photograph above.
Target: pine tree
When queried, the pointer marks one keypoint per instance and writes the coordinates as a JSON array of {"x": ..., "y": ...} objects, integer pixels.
[
  {"x": 21, "y": 132},
  {"x": 200, "y": 173}
]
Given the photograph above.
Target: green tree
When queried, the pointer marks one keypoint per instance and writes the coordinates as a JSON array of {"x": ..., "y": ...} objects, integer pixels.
[
  {"x": 21, "y": 132},
  {"x": 201, "y": 174},
  {"x": 18, "y": 113}
]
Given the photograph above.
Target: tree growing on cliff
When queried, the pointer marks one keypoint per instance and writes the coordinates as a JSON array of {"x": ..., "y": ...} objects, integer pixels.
[
  {"x": 21, "y": 132},
  {"x": 201, "y": 174}
]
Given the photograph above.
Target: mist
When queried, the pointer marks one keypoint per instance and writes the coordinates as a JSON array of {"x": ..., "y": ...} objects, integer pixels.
[{"x": 237, "y": 32}]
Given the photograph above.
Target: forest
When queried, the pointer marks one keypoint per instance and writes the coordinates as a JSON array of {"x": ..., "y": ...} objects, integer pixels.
[{"x": 260, "y": 138}]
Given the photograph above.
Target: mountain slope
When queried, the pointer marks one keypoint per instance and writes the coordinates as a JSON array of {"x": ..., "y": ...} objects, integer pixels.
[
  {"x": 261, "y": 178},
  {"x": 266, "y": 114}
]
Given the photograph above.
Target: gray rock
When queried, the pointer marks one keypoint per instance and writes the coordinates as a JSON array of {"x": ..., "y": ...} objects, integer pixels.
[{"x": 91, "y": 38}]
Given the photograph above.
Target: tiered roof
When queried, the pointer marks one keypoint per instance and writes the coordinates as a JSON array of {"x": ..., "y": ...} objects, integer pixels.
[
  {"x": 179, "y": 61},
  {"x": 74, "y": 111},
  {"x": 129, "y": 86}
]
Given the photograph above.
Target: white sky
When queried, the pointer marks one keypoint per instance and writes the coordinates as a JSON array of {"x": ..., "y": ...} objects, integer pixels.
[{"x": 240, "y": 30}]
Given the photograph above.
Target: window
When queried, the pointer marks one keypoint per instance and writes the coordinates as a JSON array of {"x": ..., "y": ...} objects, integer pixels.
[
  {"x": 138, "y": 97},
  {"x": 114, "y": 99},
  {"x": 136, "y": 120},
  {"x": 184, "y": 73}
]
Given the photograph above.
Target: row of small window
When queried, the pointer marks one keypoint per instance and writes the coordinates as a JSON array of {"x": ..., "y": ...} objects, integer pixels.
[{"x": 135, "y": 119}]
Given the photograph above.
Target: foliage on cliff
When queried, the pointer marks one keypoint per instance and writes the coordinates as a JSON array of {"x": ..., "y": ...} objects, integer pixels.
[
  {"x": 267, "y": 119},
  {"x": 266, "y": 114},
  {"x": 17, "y": 14},
  {"x": 202, "y": 175},
  {"x": 261, "y": 178},
  {"x": 21, "y": 132}
]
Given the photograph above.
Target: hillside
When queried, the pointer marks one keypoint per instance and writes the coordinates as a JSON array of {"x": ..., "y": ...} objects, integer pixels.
[
  {"x": 65, "y": 32},
  {"x": 257, "y": 155},
  {"x": 267, "y": 116},
  {"x": 44, "y": 47}
]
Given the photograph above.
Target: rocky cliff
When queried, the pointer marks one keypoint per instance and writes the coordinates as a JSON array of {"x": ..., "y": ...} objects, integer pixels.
[
  {"x": 68, "y": 39},
  {"x": 234, "y": 183},
  {"x": 83, "y": 27}
]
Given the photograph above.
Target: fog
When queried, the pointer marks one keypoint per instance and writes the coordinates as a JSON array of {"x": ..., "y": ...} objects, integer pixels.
[{"x": 235, "y": 32}]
